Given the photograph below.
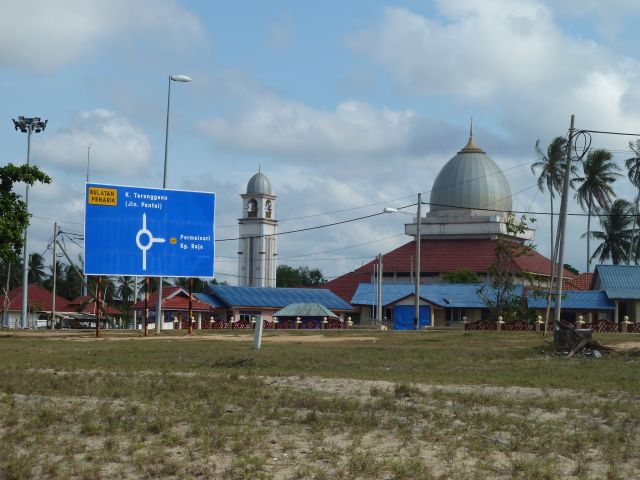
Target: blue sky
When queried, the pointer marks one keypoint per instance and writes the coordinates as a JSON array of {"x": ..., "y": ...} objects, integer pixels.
[{"x": 341, "y": 104}]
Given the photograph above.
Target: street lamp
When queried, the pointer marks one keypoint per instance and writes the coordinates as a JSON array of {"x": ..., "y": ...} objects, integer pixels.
[
  {"x": 416, "y": 305},
  {"x": 83, "y": 290},
  {"x": 27, "y": 125},
  {"x": 172, "y": 78}
]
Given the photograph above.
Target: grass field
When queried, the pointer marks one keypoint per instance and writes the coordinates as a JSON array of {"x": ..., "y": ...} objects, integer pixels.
[{"x": 384, "y": 405}]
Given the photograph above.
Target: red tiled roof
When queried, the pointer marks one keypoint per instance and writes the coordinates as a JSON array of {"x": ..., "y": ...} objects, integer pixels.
[
  {"x": 39, "y": 299},
  {"x": 175, "y": 298},
  {"x": 346, "y": 285},
  {"x": 581, "y": 282},
  {"x": 439, "y": 256}
]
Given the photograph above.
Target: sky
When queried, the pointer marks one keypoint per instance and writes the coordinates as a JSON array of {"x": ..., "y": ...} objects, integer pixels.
[{"x": 347, "y": 107}]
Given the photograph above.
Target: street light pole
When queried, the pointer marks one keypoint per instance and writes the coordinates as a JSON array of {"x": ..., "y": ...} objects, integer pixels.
[
  {"x": 86, "y": 278},
  {"x": 416, "y": 305},
  {"x": 174, "y": 78},
  {"x": 27, "y": 125}
]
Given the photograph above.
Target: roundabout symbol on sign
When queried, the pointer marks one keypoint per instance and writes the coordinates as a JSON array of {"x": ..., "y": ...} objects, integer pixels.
[{"x": 144, "y": 232}]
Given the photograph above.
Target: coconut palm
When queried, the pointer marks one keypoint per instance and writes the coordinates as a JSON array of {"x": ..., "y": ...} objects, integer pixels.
[
  {"x": 633, "y": 171},
  {"x": 36, "y": 269},
  {"x": 599, "y": 172},
  {"x": 616, "y": 234},
  {"x": 552, "y": 166}
]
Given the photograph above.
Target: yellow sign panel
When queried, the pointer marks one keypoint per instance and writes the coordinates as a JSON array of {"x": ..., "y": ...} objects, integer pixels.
[{"x": 103, "y": 196}]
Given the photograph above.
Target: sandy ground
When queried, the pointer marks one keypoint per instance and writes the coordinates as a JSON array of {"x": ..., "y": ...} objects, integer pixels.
[{"x": 243, "y": 337}]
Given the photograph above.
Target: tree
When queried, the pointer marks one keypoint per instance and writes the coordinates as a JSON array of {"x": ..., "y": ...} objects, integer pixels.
[
  {"x": 633, "y": 172},
  {"x": 311, "y": 277},
  {"x": 198, "y": 284},
  {"x": 287, "y": 276},
  {"x": 552, "y": 166},
  {"x": 500, "y": 294},
  {"x": 599, "y": 173},
  {"x": 37, "y": 273},
  {"x": 616, "y": 234},
  {"x": 14, "y": 218},
  {"x": 462, "y": 275}
]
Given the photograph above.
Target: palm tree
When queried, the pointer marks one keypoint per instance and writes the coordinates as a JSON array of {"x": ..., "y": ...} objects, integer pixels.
[
  {"x": 37, "y": 273},
  {"x": 599, "y": 173},
  {"x": 616, "y": 235},
  {"x": 552, "y": 166},
  {"x": 633, "y": 171}
]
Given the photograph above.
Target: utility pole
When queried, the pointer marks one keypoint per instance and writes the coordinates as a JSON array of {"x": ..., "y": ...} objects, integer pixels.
[
  {"x": 135, "y": 299},
  {"x": 416, "y": 305},
  {"x": 562, "y": 223},
  {"x": 379, "y": 299},
  {"x": 55, "y": 274}
]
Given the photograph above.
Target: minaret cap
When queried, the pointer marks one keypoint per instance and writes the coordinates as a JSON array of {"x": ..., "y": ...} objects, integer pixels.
[{"x": 471, "y": 146}]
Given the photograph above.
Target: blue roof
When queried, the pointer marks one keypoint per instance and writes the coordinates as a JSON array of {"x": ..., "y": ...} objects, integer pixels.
[
  {"x": 620, "y": 282},
  {"x": 232, "y": 296},
  {"x": 574, "y": 299},
  {"x": 456, "y": 295},
  {"x": 212, "y": 300}
]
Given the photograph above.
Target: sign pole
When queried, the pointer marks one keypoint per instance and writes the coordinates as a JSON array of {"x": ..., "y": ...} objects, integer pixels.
[
  {"x": 190, "y": 305},
  {"x": 146, "y": 307},
  {"x": 98, "y": 298}
]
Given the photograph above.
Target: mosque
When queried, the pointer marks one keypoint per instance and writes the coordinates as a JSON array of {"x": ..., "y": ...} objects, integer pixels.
[{"x": 469, "y": 204}]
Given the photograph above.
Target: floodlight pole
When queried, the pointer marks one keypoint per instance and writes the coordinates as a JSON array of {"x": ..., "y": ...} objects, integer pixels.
[
  {"x": 174, "y": 78},
  {"x": 27, "y": 125},
  {"x": 416, "y": 305}
]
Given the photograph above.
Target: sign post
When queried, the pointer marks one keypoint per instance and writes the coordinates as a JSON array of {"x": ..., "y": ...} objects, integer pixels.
[{"x": 148, "y": 232}]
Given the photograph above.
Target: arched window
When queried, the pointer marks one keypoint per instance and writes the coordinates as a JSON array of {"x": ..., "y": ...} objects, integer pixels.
[
  {"x": 268, "y": 208},
  {"x": 252, "y": 208}
]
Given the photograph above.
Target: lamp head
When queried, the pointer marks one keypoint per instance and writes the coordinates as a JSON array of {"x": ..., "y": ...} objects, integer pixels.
[{"x": 180, "y": 78}]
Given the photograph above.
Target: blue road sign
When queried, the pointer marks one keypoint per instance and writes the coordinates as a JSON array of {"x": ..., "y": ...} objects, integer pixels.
[{"x": 148, "y": 232}]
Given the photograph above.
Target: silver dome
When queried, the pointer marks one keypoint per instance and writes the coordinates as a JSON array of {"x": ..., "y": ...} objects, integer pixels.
[
  {"x": 471, "y": 180},
  {"x": 259, "y": 184}
]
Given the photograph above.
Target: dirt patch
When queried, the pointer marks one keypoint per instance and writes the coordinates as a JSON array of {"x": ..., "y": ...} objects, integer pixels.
[
  {"x": 242, "y": 337},
  {"x": 626, "y": 346}
]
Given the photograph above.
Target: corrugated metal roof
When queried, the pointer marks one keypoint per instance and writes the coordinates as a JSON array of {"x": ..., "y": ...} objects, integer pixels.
[
  {"x": 449, "y": 295},
  {"x": 212, "y": 300},
  {"x": 574, "y": 299},
  {"x": 620, "y": 282},
  {"x": 305, "y": 310},
  {"x": 276, "y": 297}
]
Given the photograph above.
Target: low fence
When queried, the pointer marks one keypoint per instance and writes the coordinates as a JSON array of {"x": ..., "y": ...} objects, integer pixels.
[
  {"x": 600, "y": 326},
  {"x": 280, "y": 325}
]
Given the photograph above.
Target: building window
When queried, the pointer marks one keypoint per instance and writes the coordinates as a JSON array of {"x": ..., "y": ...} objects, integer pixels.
[
  {"x": 268, "y": 207},
  {"x": 247, "y": 314}
]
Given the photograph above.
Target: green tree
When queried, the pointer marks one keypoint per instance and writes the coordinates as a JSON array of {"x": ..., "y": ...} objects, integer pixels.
[
  {"x": 552, "y": 165},
  {"x": 304, "y": 276},
  {"x": 14, "y": 218},
  {"x": 198, "y": 284},
  {"x": 462, "y": 275},
  {"x": 311, "y": 277},
  {"x": 37, "y": 273},
  {"x": 633, "y": 172},
  {"x": 599, "y": 172},
  {"x": 499, "y": 294},
  {"x": 617, "y": 233},
  {"x": 287, "y": 276}
]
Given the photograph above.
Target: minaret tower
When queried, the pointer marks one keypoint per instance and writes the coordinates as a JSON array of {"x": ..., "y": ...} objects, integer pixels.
[{"x": 258, "y": 241}]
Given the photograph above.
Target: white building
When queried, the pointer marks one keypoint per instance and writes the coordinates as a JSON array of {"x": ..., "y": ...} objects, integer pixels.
[{"x": 257, "y": 247}]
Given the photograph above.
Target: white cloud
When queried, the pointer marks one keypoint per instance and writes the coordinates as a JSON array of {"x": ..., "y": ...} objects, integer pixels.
[
  {"x": 118, "y": 147},
  {"x": 46, "y": 34}
]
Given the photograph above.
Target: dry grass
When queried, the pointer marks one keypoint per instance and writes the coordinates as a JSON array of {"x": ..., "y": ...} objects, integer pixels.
[{"x": 407, "y": 406}]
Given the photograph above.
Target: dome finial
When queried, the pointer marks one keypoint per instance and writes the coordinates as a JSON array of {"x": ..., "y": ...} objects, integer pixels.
[{"x": 471, "y": 146}]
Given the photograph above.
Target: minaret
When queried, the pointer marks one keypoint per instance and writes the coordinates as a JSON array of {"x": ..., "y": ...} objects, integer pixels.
[{"x": 258, "y": 241}]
